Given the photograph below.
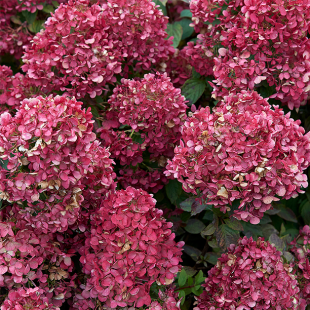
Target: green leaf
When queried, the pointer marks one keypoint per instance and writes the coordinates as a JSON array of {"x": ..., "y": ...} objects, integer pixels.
[
  {"x": 195, "y": 74},
  {"x": 182, "y": 278},
  {"x": 199, "y": 278},
  {"x": 55, "y": 4},
  {"x": 182, "y": 295},
  {"x": 48, "y": 8},
  {"x": 234, "y": 224},
  {"x": 4, "y": 163},
  {"x": 190, "y": 271},
  {"x": 173, "y": 190},
  {"x": 186, "y": 205},
  {"x": 266, "y": 219},
  {"x": 286, "y": 213},
  {"x": 186, "y": 13},
  {"x": 212, "y": 257},
  {"x": 193, "y": 89},
  {"x": 193, "y": 252},
  {"x": 16, "y": 20},
  {"x": 136, "y": 137},
  {"x": 305, "y": 212},
  {"x": 30, "y": 17},
  {"x": 277, "y": 242},
  {"x": 194, "y": 226},
  {"x": 176, "y": 31},
  {"x": 161, "y": 6},
  {"x": 225, "y": 236},
  {"x": 267, "y": 230},
  {"x": 186, "y": 28},
  {"x": 36, "y": 26},
  {"x": 209, "y": 230}
]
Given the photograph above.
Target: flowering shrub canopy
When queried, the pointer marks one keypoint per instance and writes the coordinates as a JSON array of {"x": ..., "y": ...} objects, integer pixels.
[{"x": 154, "y": 154}]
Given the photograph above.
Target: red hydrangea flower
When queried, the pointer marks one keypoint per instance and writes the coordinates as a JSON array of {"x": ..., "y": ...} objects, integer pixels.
[
  {"x": 153, "y": 107},
  {"x": 50, "y": 148},
  {"x": 30, "y": 298},
  {"x": 251, "y": 275},
  {"x": 27, "y": 255},
  {"x": 151, "y": 180},
  {"x": 243, "y": 150},
  {"x": 167, "y": 300},
  {"x": 88, "y": 43},
  {"x": 130, "y": 247},
  {"x": 301, "y": 250},
  {"x": 256, "y": 41}
]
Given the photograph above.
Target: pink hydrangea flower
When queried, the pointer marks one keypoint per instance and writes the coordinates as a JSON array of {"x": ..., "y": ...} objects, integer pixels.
[
  {"x": 253, "y": 41},
  {"x": 30, "y": 298},
  {"x": 251, "y": 275},
  {"x": 87, "y": 44},
  {"x": 130, "y": 247},
  {"x": 51, "y": 151},
  {"x": 301, "y": 249},
  {"x": 243, "y": 150}
]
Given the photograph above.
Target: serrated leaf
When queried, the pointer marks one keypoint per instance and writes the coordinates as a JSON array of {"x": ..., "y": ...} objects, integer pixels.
[
  {"x": 182, "y": 278},
  {"x": 176, "y": 31},
  {"x": 193, "y": 252},
  {"x": 30, "y": 17},
  {"x": 194, "y": 226},
  {"x": 286, "y": 213},
  {"x": 193, "y": 89},
  {"x": 234, "y": 224},
  {"x": 36, "y": 26},
  {"x": 209, "y": 230},
  {"x": 173, "y": 190},
  {"x": 277, "y": 242},
  {"x": 225, "y": 236},
  {"x": 187, "y": 30},
  {"x": 186, "y": 13},
  {"x": 48, "y": 8}
]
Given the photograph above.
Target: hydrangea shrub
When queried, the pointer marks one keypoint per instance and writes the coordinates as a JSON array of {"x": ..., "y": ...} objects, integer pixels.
[{"x": 154, "y": 154}]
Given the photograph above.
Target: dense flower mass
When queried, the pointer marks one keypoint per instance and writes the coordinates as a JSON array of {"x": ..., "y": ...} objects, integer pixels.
[
  {"x": 31, "y": 298},
  {"x": 254, "y": 41},
  {"x": 251, "y": 275},
  {"x": 28, "y": 256},
  {"x": 153, "y": 107},
  {"x": 130, "y": 246},
  {"x": 301, "y": 250},
  {"x": 50, "y": 148},
  {"x": 243, "y": 150},
  {"x": 88, "y": 44}
]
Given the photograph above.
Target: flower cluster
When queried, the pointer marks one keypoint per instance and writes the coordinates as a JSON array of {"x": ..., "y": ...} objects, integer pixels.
[
  {"x": 31, "y": 298},
  {"x": 87, "y": 45},
  {"x": 256, "y": 41},
  {"x": 130, "y": 246},
  {"x": 28, "y": 256},
  {"x": 147, "y": 114},
  {"x": 51, "y": 150},
  {"x": 251, "y": 275},
  {"x": 243, "y": 150},
  {"x": 301, "y": 250},
  {"x": 168, "y": 300}
]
